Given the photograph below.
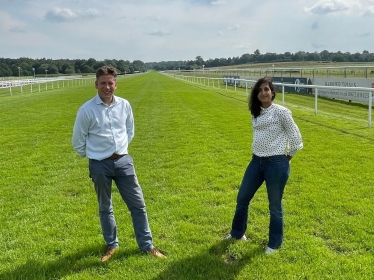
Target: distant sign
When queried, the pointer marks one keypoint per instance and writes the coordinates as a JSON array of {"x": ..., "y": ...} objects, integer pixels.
[
  {"x": 295, "y": 84},
  {"x": 344, "y": 82}
]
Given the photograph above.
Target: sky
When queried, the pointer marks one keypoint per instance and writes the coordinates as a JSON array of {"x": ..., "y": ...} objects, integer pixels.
[{"x": 166, "y": 30}]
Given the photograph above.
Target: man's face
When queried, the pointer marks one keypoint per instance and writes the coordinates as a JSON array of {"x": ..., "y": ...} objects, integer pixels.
[{"x": 106, "y": 86}]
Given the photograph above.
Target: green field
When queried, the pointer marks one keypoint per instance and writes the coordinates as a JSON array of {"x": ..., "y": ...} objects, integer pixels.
[{"x": 191, "y": 147}]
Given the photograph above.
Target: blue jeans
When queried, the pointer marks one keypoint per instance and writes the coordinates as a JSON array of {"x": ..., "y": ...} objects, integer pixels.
[
  {"x": 122, "y": 172},
  {"x": 274, "y": 171}
]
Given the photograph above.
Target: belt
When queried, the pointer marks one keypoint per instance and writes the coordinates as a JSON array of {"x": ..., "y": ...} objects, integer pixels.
[
  {"x": 115, "y": 156},
  {"x": 269, "y": 156}
]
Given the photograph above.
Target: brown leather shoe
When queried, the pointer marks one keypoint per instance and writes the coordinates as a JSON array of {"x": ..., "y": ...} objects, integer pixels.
[
  {"x": 156, "y": 253},
  {"x": 108, "y": 254}
]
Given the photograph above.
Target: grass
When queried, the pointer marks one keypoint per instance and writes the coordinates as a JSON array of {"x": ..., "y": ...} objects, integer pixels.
[{"x": 191, "y": 147}]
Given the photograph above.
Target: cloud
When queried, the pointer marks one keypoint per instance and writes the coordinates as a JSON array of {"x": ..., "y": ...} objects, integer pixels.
[
  {"x": 315, "y": 25},
  {"x": 244, "y": 46},
  {"x": 159, "y": 33},
  {"x": 327, "y": 7},
  {"x": 218, "y": 2},
  {"x": 156, "y": 18},
  {"x": 317, "y": 46},
  {"x": 235, "y": 27},
  {"x": 369, "y": 11},
  {"x": 66, "y": 15},
  {"x": 220, "y": 33},
  {"x": 60, "y": 15},
  {"x": 366, "y": 34},
  {"x": 17, "y": 30}
]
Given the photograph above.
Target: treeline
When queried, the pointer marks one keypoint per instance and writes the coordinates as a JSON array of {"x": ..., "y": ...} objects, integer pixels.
[
  {"x": 41, "y": 67},
  {"x": 257, "y": 57}
]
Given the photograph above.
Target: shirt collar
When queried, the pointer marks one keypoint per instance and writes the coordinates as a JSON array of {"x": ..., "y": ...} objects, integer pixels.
[
  {"x": 264, "y": 110},
  {"x": 98, "y": 100}
]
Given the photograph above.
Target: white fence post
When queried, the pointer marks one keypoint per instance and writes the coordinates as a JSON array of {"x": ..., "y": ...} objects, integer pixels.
[
  {"x": 370, "y": 107},
  {"x": 315, "y": 100}
]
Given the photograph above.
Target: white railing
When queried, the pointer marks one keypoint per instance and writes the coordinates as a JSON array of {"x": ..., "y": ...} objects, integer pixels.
[
  {"x": 217, "y": 82},
  {"x": 34, "y": 84}
]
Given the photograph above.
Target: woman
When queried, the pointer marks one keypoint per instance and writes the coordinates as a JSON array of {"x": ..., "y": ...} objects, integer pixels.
[{"x": 276, "y": 138}]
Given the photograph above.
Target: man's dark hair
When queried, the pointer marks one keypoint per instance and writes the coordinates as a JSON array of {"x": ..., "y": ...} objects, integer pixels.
[{"x": 106, "y": 70}]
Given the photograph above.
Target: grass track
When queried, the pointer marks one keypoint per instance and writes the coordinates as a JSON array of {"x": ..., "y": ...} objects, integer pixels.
[{"x": 191, "y": 146}]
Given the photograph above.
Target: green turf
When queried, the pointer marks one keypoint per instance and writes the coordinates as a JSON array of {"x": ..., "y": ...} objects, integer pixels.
[{"x": 192, "y": 144}]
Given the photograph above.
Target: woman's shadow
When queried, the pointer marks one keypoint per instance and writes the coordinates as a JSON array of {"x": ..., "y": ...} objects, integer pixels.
[{"x": 215, "y": 263}]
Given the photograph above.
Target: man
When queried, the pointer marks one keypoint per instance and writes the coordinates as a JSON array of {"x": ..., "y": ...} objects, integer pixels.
[{"x": 103, "y": 129}]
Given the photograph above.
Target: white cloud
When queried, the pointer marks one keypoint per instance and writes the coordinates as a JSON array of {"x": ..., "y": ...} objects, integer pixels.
[
  {"x": 369, "y": 11},
  {"x": 66, "y": 14},
  {"x": 7, "y": 22},
  {"x": 17, "y": 29},
  {"x": 350, "y": 7},
  {"x": 158, "y": 33},
  {"x": 60, "y": 15},
  {"x": 219, "y": 2},
  {"x": 328, "y": 6},
  {"x": 156, "y": 18},
  {"x": 244, "y": 46},
  {"x": 235, "y": 27}
]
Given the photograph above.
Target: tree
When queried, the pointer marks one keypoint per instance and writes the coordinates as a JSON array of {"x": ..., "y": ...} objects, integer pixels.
[
  {"x": 199, "y": 60},
  {"x": 256, "y": 55},
  {"x": 41, "y": 69},
  {"x": 245, "y": 58},
  {"x": 52, "y": 69},
  {"x": 287, "y": 55},
  {"x": 139, "y": 66},
  {"x": 338, "y": 57},
  {"x": 122, "y": 66},
  {"x": 91, "y": 62},
  {"x": 325, "y": 55},
  {"x": 299, "y": 56},
  {"x": 5, "y": 70},
  {"x": 69, "y": 70},
  {"x": 87, "y": 69}
]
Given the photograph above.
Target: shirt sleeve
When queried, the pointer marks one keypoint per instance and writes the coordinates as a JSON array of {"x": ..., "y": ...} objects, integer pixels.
[
  {"x": 130, "y": 127},
  {"x": 80, "y": 132},
  {"x": 295, "y": 141}
]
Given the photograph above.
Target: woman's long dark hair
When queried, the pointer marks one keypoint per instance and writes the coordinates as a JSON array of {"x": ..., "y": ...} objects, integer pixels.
[{"x": 254, "y": 104}]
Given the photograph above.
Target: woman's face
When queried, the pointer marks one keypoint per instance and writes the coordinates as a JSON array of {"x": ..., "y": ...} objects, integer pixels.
[{"x": 265, "y": 95}]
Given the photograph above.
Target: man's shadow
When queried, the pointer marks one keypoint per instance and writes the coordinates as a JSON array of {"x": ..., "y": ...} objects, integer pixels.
[
  {"x": 215, "y": 263},
  {"x": 88, "y": 258}
]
